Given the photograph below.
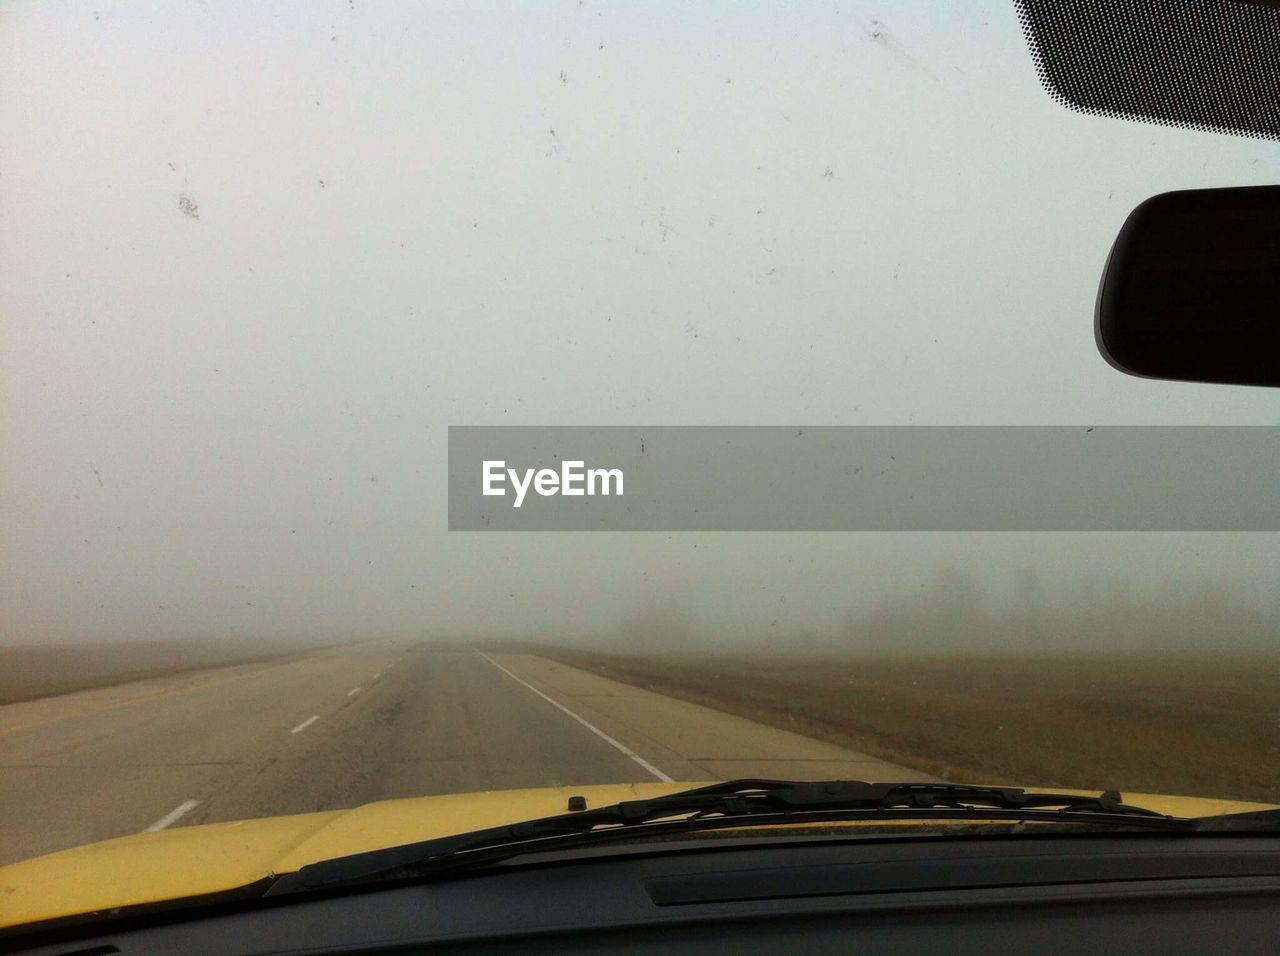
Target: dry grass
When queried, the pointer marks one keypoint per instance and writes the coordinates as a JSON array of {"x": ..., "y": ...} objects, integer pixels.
[
  {"x": 1183, "y": 724},
  {"x": 29, "y": 671}
]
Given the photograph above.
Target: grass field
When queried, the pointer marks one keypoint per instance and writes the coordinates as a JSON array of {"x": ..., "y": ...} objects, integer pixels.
[
  {"x": 28, "y": 671},
  {"x": 1190, "y": 724}
]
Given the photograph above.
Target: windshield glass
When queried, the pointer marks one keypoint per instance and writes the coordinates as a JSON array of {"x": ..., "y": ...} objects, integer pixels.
[{"x": 256, "y": 262}]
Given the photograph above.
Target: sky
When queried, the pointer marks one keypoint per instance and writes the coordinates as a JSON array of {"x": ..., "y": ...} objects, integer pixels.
[{"x": 255, "y": 260}]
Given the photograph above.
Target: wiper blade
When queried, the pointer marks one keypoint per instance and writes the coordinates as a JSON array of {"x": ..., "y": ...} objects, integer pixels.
[{"x": 732, "y": 803}]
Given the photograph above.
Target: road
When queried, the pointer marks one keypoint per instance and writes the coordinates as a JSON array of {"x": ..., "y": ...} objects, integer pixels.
[{"x": 348, "y": 725}]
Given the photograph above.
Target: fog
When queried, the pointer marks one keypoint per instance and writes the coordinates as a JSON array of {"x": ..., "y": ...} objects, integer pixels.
[{"x": 254, "y": 262}]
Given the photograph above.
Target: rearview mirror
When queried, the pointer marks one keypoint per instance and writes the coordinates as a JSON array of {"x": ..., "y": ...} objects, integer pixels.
[{"x": 1191, "y": 290}]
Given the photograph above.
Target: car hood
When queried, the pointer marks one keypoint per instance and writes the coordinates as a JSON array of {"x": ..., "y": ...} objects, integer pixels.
[{"x": 201, "y": 860}]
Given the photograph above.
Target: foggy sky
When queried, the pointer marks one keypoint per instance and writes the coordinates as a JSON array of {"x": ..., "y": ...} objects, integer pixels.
[{"x": 253, "y": 262}]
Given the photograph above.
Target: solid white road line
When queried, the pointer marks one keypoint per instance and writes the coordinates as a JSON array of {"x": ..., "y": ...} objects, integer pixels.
[
  {"x": 353, "y": 691},
  {"x": 305, "y": 724},
  {"x": 173, "y": 816},
  {"x": 591, "y": 727}
]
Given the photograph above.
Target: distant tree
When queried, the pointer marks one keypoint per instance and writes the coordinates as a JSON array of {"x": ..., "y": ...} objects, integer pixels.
[
  {"x": 668, "y": 624},
  {"x": 957, "y": 608},
  {"x": 1026, "y": 618}
]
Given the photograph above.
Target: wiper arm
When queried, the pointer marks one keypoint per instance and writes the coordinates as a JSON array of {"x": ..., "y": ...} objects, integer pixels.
[{"x": 734, "y": 802}]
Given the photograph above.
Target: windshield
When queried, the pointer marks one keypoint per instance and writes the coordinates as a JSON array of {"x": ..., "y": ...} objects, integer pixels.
[{"x": 257, "y": 262}]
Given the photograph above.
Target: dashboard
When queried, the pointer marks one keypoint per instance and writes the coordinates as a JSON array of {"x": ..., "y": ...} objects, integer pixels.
[{"x": 1022, "y": 893}]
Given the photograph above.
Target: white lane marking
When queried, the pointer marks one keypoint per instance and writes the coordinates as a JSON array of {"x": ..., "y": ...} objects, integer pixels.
[
  {"x": 591, "y": 727},
  {"x": 305, "y": 724},
  {"x": 353, "y": 691},
  {"x": 173, "y": 816}
]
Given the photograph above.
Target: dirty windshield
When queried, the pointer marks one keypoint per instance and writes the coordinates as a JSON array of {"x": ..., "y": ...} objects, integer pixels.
[{"x": 300, "y": 305}]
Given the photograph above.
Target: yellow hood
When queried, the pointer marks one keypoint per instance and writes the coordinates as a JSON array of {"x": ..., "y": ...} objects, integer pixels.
[{"x": 195, "y": 861}]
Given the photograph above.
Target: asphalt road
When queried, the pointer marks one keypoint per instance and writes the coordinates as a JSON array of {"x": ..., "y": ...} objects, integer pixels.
[{"x": 349, "y": 725}]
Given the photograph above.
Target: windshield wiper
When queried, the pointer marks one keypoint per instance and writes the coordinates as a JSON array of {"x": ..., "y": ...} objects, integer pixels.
[{"x": 729, "y": 804}]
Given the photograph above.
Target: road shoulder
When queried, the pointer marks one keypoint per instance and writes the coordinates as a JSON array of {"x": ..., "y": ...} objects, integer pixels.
[{"x": 688, "y": 741}]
